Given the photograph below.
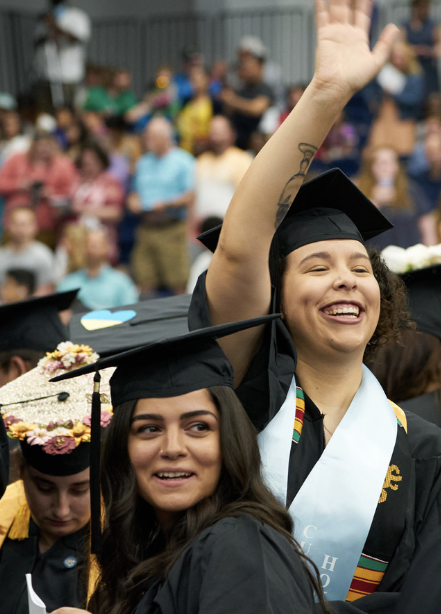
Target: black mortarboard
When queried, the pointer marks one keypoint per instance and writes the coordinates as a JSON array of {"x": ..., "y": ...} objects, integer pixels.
[
  {"x": 327, "y": 207},
  {"x": 34, "y": 324},
  {"x": 424, "y": 290},
  {"x": 173, "y": 366},
  {"x": 166, "y": 368},
  {"x": 110, "y": 331}
]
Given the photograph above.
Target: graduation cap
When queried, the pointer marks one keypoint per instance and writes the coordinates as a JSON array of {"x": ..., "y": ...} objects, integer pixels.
[
  {"x": 115, "y": 330},
  {"x": 327, "y": 207},
  {"x": 166, "y": 368},
  {"x": 34, "y": 324},
  {"x": 52, "y": 421},
  {"x": 424, "y": 290}
]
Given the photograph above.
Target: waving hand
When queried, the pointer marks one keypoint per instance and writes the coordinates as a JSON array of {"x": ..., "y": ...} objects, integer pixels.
[{"x": 344, "y": 61}]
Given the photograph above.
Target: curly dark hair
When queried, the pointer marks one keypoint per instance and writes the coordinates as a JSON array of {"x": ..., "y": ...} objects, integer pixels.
[{"x": 394, "y": 312}]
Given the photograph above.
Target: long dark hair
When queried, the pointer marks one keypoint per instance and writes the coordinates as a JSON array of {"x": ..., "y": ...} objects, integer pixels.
[{"x": 133, "y": 547}]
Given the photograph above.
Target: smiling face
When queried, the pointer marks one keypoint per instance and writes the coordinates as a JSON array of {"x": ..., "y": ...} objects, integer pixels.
[
  {"x": 331, "y": 299},
  {"x": 174, "y": 448},
  {"x": 60, "y": 505}
]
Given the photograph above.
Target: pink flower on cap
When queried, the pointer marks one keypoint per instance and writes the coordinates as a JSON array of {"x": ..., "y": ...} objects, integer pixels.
[{"x": 60, "y": 445}]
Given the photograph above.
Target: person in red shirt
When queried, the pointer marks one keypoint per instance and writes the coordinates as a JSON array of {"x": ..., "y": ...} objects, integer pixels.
[
  {"x": 43, "y": 179},
  {"x": 99, "y": 196}
]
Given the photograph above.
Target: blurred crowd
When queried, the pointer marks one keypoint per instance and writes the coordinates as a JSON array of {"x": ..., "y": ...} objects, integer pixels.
[{"x": 107, "y": 192}]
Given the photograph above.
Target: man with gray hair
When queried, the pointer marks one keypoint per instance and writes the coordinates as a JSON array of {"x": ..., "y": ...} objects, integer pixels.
[{"x": 162, "y": 192}]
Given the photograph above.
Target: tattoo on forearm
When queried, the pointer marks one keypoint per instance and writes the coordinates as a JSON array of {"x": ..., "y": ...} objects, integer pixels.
[{"x": 294, "y": 183}]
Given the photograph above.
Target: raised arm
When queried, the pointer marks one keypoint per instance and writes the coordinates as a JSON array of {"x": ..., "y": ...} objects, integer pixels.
[{"x": 238, "y": 280}]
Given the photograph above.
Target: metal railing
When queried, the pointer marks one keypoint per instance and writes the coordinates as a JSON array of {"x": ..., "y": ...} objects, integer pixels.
[{"x": 142, "y": 44}]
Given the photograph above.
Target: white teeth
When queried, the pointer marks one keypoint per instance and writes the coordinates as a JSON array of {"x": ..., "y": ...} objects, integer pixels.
[
  {"x": 349, "y": 311},
  {"x": 173, "y": 474}
]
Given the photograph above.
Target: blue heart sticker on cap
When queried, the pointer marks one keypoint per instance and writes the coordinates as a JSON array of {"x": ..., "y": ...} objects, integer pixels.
[{"x": 105, "y": 318}]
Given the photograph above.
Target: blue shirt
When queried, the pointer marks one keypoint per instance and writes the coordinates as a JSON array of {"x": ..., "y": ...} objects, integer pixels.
[
  {"x": 164, "y": 178},
  {"x": 110, "y": 289}
]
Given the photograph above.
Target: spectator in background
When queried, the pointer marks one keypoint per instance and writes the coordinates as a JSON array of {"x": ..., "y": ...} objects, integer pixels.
[
  {"x": 19, "y": 285},
  {"x": 123, "y": 98},
  {"x": 247, "y": 105},
  {"x": 418, "y": 162},
  {"x": 425, "y": 37},
  {"x": 43, "y": 178},
  {"x": 65, "y": 118},
  {"x": 429, "y": 180},
  {"x": 97, "y": 97},
  {"x": 193, "y": 122},
  {"x": 401, "y": 91},
  {"x": 12, "y": 138},
  {"x": 61, "y": 37},
  {"x": 163, "y": 191},
  {"x": 121, "y": 143},
  {"x": 384, "y": 182},
  {"x": 161, "y": 100},
  {"x": 293, "y": 96},
  {"x": 100, "y": 285},
  {"x": 252, "y": 46},
  {"x": 219, "y": 170},
  {"x": 99, "y": 198},
  {"x": 191, "y": 58},
  {"x": 22, "y": 251},
  {"x": 340, "y": 143},
  {"x": 76, "y": 137},
  {"x": 70, "y": 255}
]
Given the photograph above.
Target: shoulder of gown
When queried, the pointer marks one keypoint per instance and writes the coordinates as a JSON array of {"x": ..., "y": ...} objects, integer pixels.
[
  {"x": 263, "y": 390},
  {"x": 237, "y": 565}
]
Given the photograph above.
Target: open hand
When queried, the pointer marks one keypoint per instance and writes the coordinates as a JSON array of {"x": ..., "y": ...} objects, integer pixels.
[{"x": 344, "y": 61}]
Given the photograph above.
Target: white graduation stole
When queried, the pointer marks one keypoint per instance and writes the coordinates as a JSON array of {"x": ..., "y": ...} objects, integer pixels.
[{"x": 334, "y": 508}]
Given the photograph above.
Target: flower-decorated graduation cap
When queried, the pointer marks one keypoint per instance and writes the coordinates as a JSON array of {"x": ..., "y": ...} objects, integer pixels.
[
  {"x": 327, "y": 207},
  {"x": 424, "y": 291},
  {"x": 116, "y": 330},
  {"x": 34, "y": 324},
  {"x": 165, "y": 368},
  {"x": 53, "y": 421}
]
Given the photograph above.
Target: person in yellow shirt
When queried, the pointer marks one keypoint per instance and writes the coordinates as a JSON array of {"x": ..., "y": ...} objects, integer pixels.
[{"x": 193, "y": 122}]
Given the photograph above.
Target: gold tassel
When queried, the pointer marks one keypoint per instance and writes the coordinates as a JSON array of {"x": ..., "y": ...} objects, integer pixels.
[{"x": 20, "y": 526}]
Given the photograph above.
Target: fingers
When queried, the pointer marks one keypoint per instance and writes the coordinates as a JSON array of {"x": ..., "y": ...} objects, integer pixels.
[
  {"x": 362, "y": 14},
  {"x": 321, "y": 14},
  {"x": 382, "y": 49},
  {"x": 340, "y": 11}
]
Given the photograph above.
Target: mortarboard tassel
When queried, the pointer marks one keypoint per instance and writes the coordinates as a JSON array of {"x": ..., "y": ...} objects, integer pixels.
[{"x": 95, "y": 449}]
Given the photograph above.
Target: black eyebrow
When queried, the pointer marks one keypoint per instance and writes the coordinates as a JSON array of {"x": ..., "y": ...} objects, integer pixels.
[
  {"x": 358, "y": 255},
  {"x": 189, "y": 414},
  {"x": 324, "y": 255},
  {"x": 327, "y": 256}
]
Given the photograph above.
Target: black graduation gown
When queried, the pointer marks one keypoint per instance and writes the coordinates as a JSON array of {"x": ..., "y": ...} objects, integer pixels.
[
  {"x": 407, "y": 516},
  {"x": 4, "y": 458},
  {"x": 236, "y": 566},
  {"x": 422, "y": 587},
  {"x": 56, "y": 574},
  {"x": 427, "y": 406}
]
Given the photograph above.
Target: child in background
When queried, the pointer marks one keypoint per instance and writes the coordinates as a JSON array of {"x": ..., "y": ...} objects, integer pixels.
[{"x": 19, "y": 285}]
